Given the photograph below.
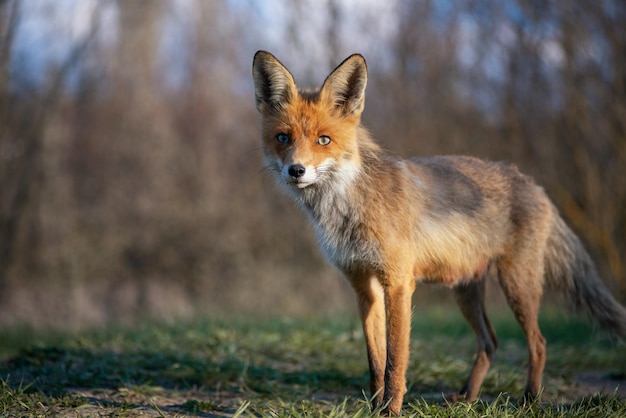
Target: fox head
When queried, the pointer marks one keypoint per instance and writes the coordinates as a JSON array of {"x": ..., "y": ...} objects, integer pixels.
[{"x": 310, "y": 137}]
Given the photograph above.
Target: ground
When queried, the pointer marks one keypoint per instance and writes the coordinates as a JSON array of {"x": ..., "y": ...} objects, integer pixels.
[{"x": 295, "y": 367}]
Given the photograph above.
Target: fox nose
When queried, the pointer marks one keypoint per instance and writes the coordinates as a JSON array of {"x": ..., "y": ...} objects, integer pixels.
[{"x": 296, "y": 170}]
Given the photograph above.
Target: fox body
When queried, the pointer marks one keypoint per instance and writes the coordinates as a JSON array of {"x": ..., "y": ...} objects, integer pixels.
[{"x": 388, "y": 223}]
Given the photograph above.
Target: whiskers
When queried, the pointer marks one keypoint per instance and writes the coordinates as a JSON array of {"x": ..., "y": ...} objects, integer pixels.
[
  {"x": 324, "y": 169},
  {"x": 268, "y": 170},
  {"x": 265, "y": 168}
]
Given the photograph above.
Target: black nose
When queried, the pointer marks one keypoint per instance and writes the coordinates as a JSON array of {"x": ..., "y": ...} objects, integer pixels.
[{"x": 296, "y": 170}]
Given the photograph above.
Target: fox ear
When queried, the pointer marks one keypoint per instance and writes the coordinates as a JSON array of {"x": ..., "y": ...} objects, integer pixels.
[
  {"x": 345, "y": 86},
  {"x": 274, "y": 85}
]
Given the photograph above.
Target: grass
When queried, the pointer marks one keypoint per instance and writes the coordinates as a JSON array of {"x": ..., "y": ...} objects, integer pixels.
[{"x": 292, "y": 368}]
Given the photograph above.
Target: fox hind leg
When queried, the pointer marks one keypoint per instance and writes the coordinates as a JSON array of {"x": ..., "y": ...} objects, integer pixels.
[
  {"x": 470, "y": 297},
  {"x": 522, "y": 283}
]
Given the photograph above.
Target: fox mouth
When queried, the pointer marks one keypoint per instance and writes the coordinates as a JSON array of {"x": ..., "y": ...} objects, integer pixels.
[{"x": 299, "y": 183}]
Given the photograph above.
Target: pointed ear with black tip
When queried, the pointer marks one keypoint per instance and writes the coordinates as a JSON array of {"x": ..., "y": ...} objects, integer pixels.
[
  {"x": 274, "y": 85},
  {"x": 344, "y": 88}
]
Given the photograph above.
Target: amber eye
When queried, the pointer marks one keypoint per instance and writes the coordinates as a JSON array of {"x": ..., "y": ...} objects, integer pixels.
[
  {"x": 323, "y": 140},
  {"x": 282, "y": 138}
]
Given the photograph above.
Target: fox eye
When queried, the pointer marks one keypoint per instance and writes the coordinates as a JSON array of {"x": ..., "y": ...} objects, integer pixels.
[
  {"x": 323, "y": 140},
  {"x": 282, "y": 138}
]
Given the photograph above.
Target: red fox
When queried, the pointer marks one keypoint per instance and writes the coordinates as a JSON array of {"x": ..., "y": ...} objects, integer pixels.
[{"x": 387, "y": 223}]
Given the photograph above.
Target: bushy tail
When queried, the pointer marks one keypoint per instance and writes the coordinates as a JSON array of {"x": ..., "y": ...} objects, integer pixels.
[{"x": 570, "y": 271}]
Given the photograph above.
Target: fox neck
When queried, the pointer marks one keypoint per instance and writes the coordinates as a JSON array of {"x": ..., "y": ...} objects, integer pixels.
[
  {"x": 330, "y": 199},
  {"x": 337, "y": 207}
]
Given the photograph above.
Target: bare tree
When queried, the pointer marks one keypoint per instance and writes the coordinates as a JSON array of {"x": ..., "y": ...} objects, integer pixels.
[{"x": 24, "y": 110}]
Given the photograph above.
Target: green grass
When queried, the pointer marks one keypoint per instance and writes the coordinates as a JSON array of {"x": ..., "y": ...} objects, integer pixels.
[{"x": 291, "y": 367}]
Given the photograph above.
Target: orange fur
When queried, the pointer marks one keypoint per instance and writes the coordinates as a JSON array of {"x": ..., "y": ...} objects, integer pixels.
[{"x": 387, "y": 223}]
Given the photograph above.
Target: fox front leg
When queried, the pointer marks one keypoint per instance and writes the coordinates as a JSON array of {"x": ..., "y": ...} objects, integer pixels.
[
  {"x": 398, "y": 312},
  {"x": 371, "y": 301}
]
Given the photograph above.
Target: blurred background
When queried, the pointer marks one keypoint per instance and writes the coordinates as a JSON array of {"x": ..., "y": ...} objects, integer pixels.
[{"x": 131, "y": 181}]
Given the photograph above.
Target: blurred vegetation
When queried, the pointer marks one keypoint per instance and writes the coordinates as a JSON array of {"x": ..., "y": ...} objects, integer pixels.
[{"x": 131, "y": 181}]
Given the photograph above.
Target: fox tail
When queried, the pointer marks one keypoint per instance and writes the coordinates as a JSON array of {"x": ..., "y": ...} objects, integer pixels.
[{"x": 572, "y": 273}]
